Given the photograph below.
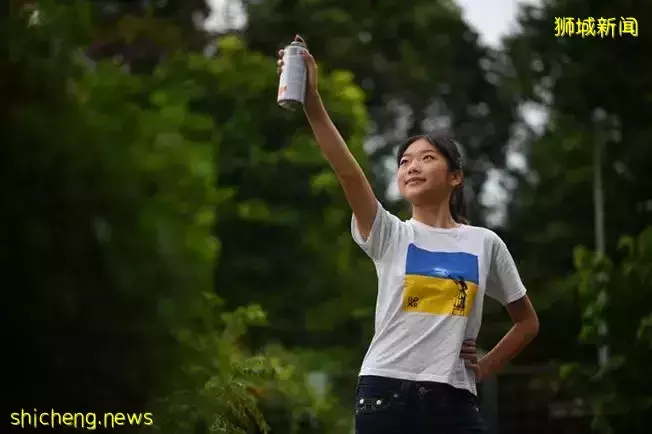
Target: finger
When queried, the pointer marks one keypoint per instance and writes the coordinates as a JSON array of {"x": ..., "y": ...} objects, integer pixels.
[
  {"x": 299, "y": 39},
  {"x": 474, "y": 367},
  {"x": 468, "y": 353},
  {"x": 468, "y": 349},
  {"x": 472, "y": 358},
  {"x": 279, "y": 62},
  {"x": 468, "y": 342},
  {"x": 310, "y": 61},
  {"x": 280, "y": 53}
]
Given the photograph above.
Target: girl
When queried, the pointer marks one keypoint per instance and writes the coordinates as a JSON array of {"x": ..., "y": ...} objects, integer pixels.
[{"x": 420, "y": 370}]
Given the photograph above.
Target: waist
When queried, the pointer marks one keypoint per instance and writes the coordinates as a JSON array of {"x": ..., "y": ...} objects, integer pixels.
[{"x": 406, "y": 387}]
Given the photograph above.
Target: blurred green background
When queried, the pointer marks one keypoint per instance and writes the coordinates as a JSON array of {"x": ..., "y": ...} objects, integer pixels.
[{"x": 172, "y": 241}]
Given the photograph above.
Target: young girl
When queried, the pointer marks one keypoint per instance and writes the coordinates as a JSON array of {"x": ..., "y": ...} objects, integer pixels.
[{"x": 420, "y": 370}]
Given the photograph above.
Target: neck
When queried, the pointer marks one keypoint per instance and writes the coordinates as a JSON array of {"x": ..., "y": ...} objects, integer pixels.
[{"x": 437, "y": 216}]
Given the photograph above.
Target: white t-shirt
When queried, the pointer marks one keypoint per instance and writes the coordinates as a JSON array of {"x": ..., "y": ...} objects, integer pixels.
[{"x": 431, "y": 285}]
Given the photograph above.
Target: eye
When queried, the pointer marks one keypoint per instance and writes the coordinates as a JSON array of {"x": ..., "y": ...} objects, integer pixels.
[
  {"x": 403, "y": 161},
  {"x": 428, "y": 157}
]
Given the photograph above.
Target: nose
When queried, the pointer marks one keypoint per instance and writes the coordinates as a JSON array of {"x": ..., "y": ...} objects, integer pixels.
[{"x": 413, "y": 167}]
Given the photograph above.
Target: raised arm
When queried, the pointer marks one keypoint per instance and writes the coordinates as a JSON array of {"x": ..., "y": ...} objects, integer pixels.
[{"x": 356, "y": 187}]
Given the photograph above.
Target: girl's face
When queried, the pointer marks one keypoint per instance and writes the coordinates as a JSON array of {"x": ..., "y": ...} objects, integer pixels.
[{"x": 423, "y": 174}]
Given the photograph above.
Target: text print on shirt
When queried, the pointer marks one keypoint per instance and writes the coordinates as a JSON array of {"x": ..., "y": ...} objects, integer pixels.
[{"x": 440, "y": 283}]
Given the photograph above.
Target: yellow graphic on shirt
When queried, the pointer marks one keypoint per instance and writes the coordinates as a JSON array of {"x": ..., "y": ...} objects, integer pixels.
[{"x": 440, "y": 283}]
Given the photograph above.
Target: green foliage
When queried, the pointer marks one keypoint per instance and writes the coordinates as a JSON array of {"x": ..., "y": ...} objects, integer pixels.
[
  {"x": 574, "y": 79},
  {"x": 594, "y": 271},
  {"x": 619, "y": 392},
  {"x": 216, "y": 393},
  {"x": 551, "y": 210},
  {"x": 290, "y": 222},
  {"x": 109, "y": 215},
  {"x": 118, "y": 187}
]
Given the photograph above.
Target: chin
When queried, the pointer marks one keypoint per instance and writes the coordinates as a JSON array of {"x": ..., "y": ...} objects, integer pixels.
[{"x": 417, "y": 198}]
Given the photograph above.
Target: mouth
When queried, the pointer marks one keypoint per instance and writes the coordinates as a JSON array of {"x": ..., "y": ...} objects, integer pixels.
[{"x": 415, "y": 181}]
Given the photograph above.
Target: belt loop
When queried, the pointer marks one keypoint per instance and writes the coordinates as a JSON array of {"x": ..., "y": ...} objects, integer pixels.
[{"x": 406, "y": 385}]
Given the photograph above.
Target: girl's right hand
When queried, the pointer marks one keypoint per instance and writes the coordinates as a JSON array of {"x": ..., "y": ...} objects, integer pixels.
[{"x": 311, "y": 86}]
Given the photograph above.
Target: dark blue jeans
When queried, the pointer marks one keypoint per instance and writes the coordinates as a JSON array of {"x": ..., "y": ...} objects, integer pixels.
[{"x": 392, "y": 406}]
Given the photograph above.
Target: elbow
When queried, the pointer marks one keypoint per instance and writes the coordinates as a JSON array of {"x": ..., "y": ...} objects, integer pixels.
[
  {"x": 531, "y": 327},
  {"x": 525, "y": 318}
]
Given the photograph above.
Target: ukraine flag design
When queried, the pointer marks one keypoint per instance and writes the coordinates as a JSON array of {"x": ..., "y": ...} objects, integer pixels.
[{"x": 440, "y": 283}]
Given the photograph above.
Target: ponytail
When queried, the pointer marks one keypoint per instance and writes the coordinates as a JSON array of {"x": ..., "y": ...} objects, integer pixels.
[{"x": 457, "y": 205}]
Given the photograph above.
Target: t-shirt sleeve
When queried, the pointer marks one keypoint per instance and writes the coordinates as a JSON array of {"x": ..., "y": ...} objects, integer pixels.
[
  {"x": 504, "y": 283},
  {"x": 383, "y": 232}
]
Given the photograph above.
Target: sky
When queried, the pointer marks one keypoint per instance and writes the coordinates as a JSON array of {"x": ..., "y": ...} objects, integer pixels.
[{"x": 492, "y": 18}]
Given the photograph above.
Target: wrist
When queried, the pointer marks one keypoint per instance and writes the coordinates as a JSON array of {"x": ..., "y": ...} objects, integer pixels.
[
  {"x": 312, "y": 95},
  {"x": 487, "y": 366}
]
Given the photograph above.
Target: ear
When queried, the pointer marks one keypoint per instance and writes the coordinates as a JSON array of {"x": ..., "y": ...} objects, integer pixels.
[{"x": 455, "y": 178}]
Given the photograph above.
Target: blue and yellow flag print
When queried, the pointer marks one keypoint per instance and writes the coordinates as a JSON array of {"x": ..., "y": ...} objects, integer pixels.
[{"x": 441, "y": 283}]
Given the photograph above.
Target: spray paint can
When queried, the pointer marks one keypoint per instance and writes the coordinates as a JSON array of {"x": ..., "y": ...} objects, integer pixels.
[{"x": 292, "y": 82}]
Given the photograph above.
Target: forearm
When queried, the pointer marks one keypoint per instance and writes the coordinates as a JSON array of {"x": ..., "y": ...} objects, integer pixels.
[
  {"x": 518, "y": 337},
  {"x": 356, "y": 187},
  {"x": 330, "y": 140}
]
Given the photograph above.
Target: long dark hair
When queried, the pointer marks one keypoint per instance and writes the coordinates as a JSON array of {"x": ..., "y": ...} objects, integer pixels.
[{"x": 447, "y": 147}]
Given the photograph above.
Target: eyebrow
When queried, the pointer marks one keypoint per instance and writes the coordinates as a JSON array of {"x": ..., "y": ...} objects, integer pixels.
[{"x": 425, "y": 151}]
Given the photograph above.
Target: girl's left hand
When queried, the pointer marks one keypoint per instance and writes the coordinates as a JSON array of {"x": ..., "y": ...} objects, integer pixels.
[{"x": 470, "y": 356}]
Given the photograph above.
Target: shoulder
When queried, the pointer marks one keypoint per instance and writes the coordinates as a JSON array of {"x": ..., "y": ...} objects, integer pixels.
[
  {"x": 482, "y": 233},
  {"x": 490, "y": 240}
]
